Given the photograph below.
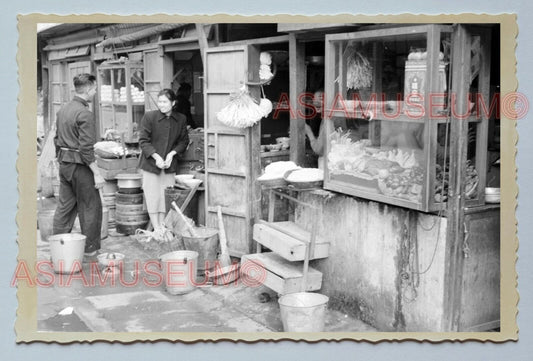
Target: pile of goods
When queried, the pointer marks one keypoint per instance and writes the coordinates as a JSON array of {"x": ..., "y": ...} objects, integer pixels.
[
  {"x": 405, "y": 185},
  {"x": 442, "y": 180},
  {"x": 137, "y": 95},
  {"x": 395, "y": 172},
  {"x": 359, "y": 70},
  {"x": 242, "y": 111},
  {"x": 305, "y": 178},
  {"x": 112, "y": 150},
  {"x": 306, "y": 175},
  {"x": 106, "y": 93},
  {"x": 277, "y": 170},
  {"x": 109, "y": 149}
]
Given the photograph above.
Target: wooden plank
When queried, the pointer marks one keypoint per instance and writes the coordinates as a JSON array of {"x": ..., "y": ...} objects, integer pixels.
[
  {"x": 287, "y": 246},
  {"x": 483, "y": 128},
  {"x": 279, "y": 275},
  {"x": 297, "y": 87},
  {"x": 455, "y": 213},
  {"x": 431, "y": 126},
  {"x": 228, "y": 172},
  {"x": 259, "y": 41},
  {"x": 481, "y": 273},
  {"x": 202, "y": 40},
  {"x": 386, "y": 34}
]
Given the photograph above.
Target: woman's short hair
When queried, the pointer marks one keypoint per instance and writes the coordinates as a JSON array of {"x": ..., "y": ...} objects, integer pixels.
[
  {"x": 83, "y": 81},
  {"x": 167, "y": 93}
]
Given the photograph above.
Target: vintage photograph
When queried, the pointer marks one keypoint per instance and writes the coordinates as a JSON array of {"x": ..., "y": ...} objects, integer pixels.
[{"x": 256, "y": 177}]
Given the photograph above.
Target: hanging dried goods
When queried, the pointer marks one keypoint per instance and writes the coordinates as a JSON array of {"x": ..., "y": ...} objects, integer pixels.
[
  {"x": 359, "y": 70},
  {"x": 242, "y": 111}
]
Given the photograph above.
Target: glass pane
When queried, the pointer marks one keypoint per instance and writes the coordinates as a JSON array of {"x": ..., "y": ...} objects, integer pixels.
[
  {"x": 137, "y": 85},
  {"x": 106, "y": 87}
]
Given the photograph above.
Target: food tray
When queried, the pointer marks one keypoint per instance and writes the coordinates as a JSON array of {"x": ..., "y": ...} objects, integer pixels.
[{"x": 302, "y": 185}]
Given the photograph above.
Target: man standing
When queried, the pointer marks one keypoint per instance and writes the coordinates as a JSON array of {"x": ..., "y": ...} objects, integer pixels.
[
  {"x": 79, "y": 176},
  {"x": 183, "y": 105}
]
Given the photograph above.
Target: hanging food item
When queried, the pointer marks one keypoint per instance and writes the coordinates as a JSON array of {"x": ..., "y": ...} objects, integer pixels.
[
  {"x": 264, "y": 69},
  {"x": 359, "y": 70},
  {"x": 242, "y": 111},
  {"x": 265, "y": 104}
]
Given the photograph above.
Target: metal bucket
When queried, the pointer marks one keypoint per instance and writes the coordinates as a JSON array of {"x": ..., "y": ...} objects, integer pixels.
[
  {"x": 205, "y": 244},
  {"x": 303, "y": 311},
  {"x": 179, "y": 271},
  {"x": 67, "y": 252},
  {"x": 179, "y": 195}
]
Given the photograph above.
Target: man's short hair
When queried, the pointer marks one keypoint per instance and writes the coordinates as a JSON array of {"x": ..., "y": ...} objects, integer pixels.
[{"x": 83, "y": 81}]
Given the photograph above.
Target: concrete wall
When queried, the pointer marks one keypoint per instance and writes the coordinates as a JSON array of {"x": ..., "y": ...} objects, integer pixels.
[{"x": 386, "y": 263}]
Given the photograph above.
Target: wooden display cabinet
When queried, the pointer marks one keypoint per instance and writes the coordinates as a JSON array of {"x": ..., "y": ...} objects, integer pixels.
[
  {"x": 392, "y": 93},
  {"x": 121, "y": 98}
]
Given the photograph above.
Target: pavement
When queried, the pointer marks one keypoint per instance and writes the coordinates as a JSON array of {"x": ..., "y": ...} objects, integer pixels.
[{"x": 133, "y": 298}]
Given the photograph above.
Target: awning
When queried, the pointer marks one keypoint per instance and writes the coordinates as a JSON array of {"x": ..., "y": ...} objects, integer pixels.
[
  {"x": 154, "y": 30},
  {"x": 68, "y": 52}
]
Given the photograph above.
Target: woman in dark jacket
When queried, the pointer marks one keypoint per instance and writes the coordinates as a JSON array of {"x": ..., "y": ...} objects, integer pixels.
[{"x": 163, "y": 139}]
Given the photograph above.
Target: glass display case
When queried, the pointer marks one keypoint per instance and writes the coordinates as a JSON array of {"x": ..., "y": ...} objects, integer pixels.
[
  {"x": 390, "y": 101},
  {"x": 121, "y": 98}
]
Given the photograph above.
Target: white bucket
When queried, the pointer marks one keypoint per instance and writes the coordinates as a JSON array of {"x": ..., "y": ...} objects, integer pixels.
[
  {"x": 303, "y": 311},
  {"x": 67, "y": 251},
  {"x": 179, "y": 271}
]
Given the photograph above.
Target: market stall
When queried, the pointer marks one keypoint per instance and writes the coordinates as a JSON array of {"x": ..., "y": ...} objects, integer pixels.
[{"x": 414, "y": 245}]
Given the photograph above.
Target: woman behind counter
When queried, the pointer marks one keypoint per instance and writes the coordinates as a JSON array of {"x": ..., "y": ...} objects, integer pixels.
[{"x": 163, "y": 139}]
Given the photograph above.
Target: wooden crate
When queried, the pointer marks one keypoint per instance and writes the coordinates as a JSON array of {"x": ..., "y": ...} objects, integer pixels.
[
  {"x": 288, "y": 240},
  {"x": 111, "y": 164},
  {"x": 279, "y": 274}
]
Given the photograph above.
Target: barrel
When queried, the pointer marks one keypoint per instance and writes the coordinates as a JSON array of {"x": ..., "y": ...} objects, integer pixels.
[
  {"x": 178, "y": 195},
  {"x": 105, "y": 223},
  {"x": 109, "y": 203},
  {"x": 129, "y": 213}
]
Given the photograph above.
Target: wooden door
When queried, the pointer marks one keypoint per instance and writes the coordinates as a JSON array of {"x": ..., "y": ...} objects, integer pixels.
[
  {"x": 157, "y": 76},
  {"x": 74, "y": 69},
  {"x": 58, "y": 90},
  {"x": 232, "y": 156}
]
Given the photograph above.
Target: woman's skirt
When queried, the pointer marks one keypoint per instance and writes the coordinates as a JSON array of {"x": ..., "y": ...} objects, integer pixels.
[{"x": 154, "y": 186}]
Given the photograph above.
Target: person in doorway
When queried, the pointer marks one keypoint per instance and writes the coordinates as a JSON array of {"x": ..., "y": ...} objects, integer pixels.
[
  {"x": 163, "y": 139},
  {"x": 183, "y": 105},
  {"x": 79, "y": 177},
  {"x": 316, "y": 141}
]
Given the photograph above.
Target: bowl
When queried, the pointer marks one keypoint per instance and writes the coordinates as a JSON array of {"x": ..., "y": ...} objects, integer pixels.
[
  {"x": 492, "y": 198},
  {"x": 274, "y": 147},
  {"x": 191, "y": 182},
  {"x": 492, "y": 195},
  {"x": 110, "y": 259}
]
